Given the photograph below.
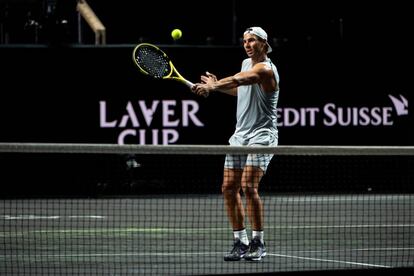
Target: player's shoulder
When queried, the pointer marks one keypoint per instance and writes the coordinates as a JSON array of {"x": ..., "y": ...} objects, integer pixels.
[{"x": 267, "y": 64}]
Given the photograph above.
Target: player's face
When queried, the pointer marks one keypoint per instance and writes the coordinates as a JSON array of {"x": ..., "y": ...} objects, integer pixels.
[{"x": 252, "y": 45}]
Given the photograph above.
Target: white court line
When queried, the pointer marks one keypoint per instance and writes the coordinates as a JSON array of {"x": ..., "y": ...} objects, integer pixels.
[
  {"x": 357, "y": 249},
  {"x": 328, "y": 260},
  {"x": 340, "y": 226},
  {"x": 327, "y": 198},
  {"x": 86, "y": 217},
  {"x": 184, "y": 230},
  {"x": 28, "y": 217},
  {"x": 201, "y": 230},
  {"x": 39, "y": 217},
  {"x": 161, "y": 254}
]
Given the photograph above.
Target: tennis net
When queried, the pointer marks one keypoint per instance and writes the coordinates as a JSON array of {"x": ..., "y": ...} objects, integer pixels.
[{"x": 158, "y": 210}]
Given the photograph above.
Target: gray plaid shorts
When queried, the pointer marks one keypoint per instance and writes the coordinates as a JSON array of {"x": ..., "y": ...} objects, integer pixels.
[{"x": 256, "y": 160}]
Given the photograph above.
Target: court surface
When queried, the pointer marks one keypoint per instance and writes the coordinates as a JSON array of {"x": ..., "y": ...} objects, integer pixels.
[{"x": 189, "y": 234}]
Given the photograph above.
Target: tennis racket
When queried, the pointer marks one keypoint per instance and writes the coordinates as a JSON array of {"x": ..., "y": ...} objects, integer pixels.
[{"x": 152, "y": 61}]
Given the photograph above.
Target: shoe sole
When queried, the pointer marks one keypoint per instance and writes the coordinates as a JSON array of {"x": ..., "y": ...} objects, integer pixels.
[
  {"x": 256, "y": 259},
  {"x": 234, "y": 260}
]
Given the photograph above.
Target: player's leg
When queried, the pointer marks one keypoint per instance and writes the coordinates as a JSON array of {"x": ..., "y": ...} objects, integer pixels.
[
  {"x": 256, "y": 166},
  {"x": 231, "y": 189},
  {"x": 232, "y": 199},
  {"x": 250, "y": 183}
]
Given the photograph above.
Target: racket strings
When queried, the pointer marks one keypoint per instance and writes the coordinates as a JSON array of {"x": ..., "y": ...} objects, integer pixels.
[{"x": 153, "y": 62}]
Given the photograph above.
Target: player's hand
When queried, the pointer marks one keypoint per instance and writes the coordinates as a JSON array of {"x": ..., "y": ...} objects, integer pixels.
[
  {"x": 208, "y": 78},
  {"x": 205, "y": 87},
  {"x": 201, "y": 89}
]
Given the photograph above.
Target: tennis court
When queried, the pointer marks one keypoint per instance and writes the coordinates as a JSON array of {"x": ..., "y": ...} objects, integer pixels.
[{"x": 188, "y": 233}]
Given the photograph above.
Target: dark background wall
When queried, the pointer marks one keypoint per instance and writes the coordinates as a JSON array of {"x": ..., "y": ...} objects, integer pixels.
[
  {"x": 290, "y": 23},
  {"x": 334, "y": 60},
  {"x": 55, "y": 94}
]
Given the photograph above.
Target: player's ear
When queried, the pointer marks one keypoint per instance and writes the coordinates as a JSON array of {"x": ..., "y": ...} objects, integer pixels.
[{"x": 265, "y": 47}]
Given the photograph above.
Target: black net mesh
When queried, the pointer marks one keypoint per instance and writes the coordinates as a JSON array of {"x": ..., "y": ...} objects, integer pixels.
[{"x": 168, "y": 213}]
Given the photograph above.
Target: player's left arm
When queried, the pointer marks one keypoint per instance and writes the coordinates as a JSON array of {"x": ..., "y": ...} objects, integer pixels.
[{"x": 260, "y": 73}]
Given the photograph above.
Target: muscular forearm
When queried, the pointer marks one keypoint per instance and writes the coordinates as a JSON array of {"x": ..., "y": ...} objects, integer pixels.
[
  {"x": 229, "y": 85},
  {"x": 226, "y": 85}
]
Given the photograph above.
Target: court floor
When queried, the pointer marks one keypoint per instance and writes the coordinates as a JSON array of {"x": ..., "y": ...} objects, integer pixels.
[{"x": 189, "y": 234}]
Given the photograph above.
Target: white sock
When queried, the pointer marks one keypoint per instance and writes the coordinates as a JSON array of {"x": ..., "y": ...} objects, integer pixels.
[
  {"x": 259, "y": 234},
  {"x": 242, "y": 236}
]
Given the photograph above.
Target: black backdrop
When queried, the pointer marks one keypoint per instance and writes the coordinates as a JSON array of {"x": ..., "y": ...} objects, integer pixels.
[
  {"x": 80, "y": 95},
  {"x": 334, "y": 60},
  {"x": 57, "y": 95}
]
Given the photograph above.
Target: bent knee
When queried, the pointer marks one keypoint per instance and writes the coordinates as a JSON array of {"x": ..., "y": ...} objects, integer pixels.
[
  {"x": 230, "y": 188},
  {"x": 250, "y": 190}
]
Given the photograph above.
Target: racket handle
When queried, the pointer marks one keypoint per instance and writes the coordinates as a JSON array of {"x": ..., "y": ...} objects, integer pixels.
[{"x": 190, "y": 85}]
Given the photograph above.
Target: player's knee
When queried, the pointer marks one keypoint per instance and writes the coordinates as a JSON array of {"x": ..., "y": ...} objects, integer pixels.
[
  {"x": 229, "y": 189},
  {"x": 250, "y": 190}
]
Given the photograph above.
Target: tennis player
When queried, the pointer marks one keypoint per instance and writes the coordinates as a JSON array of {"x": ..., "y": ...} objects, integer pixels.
[{"x": 257, "y": 91}]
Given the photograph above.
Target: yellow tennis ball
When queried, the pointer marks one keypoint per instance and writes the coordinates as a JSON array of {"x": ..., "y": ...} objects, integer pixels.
[{"x": 176, "y": 34}]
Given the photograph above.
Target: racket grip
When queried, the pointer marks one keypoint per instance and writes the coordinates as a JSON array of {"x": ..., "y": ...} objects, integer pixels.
[{"x": 190, "y": 85}]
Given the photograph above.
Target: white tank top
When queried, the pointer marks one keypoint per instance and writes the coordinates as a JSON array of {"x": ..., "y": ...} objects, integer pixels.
[{"x": 256, "y": 112}]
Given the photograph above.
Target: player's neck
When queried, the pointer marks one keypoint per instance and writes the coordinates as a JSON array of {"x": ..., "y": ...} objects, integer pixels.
[{"x": 259, "y": 59}]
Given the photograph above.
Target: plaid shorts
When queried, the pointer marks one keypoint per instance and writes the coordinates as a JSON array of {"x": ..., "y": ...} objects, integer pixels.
[{"x": 256, "y": 160}]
